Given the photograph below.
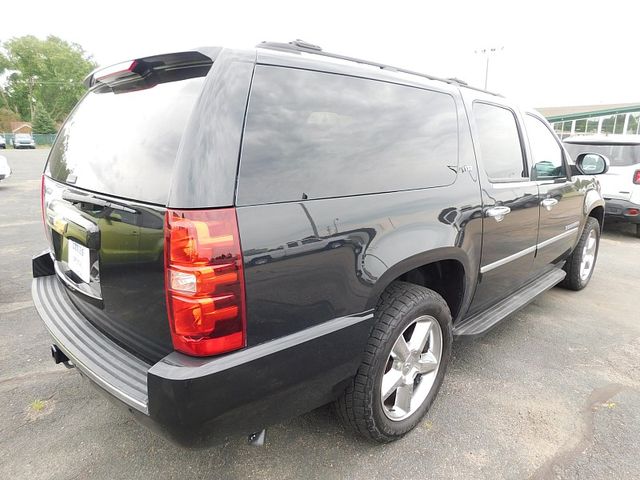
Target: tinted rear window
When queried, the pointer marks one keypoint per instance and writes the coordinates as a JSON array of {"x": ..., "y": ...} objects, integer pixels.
[
  {"x": 499, "y": 142},
  {"x": 125, "y": 144},
  {"x": 318, "y": 135},
  {"x": 619, "y": 155}
]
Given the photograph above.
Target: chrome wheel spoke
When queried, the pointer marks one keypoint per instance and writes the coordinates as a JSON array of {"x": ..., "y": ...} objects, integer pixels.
[
  {"x": 404, "y": 395},
  {"x": 400, "y": 350},
  {"x": 420, "y": 335},
  {"x": 390, "y": 382},
  {"x": 427, "y": 363}
]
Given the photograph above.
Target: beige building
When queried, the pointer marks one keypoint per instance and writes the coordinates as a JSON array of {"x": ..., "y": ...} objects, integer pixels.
[{"x": 593, "y": 119}]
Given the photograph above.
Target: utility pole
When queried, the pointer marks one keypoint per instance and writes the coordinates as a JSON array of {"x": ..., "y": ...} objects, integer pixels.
[
  {"x": 31, "y": 82},
  {"x": 487, "y": 52}
]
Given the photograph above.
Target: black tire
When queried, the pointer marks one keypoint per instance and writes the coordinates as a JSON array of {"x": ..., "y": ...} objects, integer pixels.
[
  {"x": 638, "y": 230},
  {"x": 574, "y": 280},
  {"x": 360, "y": 407},
  {"x": 261, "y": 261}
]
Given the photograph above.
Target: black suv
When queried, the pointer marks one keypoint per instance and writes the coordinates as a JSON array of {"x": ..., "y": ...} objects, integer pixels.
[{"x": 280, "y": 228}]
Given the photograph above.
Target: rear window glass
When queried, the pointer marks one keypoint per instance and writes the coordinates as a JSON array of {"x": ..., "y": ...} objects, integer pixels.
[
  {"x": 318, "y": 135},
  {"x": 499, "y": 141},
  {"x": 125, "y": 144},
  {"x": 619, "y": 155}
]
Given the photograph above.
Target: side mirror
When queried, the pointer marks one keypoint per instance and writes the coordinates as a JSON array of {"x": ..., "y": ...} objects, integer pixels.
[{"x": 592, "y": 164}]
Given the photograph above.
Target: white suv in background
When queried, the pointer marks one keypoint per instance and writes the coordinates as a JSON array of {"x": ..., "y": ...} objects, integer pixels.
[
  {"x": 621, "y": 184},
  {"x": 5, "y": 169}
]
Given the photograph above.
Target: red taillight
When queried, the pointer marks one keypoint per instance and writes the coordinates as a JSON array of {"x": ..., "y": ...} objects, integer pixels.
[
  {"x": 204, "y": 281},
  {"x": 632, "y": 212},
  {"x": 115, "y": 71},
  {"x": 636, "y": 177}
]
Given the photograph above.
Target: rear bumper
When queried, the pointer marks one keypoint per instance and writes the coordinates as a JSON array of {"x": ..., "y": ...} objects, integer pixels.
[
  {"x": 615, "y": 209},
  {"x": 115, "y": 370},
  {"x": 202, "y": 401}
]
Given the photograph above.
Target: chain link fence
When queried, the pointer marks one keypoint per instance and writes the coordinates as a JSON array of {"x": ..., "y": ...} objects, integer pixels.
[{"x": 44, "y": 139}]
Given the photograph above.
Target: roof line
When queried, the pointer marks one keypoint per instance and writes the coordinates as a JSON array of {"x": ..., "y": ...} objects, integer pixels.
[{"x": 300, "y": 46}]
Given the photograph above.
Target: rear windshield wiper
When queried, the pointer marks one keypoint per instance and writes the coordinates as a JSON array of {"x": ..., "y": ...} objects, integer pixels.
[{"x": 75, "y": 198}]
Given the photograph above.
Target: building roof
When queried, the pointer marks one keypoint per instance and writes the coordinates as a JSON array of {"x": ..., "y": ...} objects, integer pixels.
[
  {"x": 19, "y": 127},
  {"x": 554, "y": 114}
]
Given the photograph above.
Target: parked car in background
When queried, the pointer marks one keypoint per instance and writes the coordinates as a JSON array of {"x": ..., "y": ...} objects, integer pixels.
[
  {"x": 322, "y": 234},
  {"x": 23, "y": 140},
  {"x": 3, "y": 142},
  {"x": 5, "y": 169},
  {"x": 621, "y": 184}
]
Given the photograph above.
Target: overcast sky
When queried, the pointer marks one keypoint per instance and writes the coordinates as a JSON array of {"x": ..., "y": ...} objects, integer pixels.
[{"x": 555, "y": 52}]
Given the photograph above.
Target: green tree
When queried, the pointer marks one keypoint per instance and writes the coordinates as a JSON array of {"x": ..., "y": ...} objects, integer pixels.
[
  {"x": 6, "y": 117},
  {"x": 47, "y": 72},
  {"x": 42, "y": 122}
]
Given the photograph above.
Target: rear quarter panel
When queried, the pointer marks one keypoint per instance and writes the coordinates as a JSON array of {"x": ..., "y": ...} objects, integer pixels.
[{"x": 366, "y": 242}]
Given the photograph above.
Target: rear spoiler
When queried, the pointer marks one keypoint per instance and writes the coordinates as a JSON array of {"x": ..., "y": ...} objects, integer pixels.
[{"x": 150, "y": 71}]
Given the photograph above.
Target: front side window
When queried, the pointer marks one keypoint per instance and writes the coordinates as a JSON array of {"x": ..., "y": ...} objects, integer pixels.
[
  {"x": 314, "y": 135},
  {"x": 546, "y": 153},
  {"x": 500, "y": 146}
]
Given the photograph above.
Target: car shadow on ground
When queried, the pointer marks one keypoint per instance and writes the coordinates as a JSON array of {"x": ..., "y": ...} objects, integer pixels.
[{"x": 618, "y": 229}]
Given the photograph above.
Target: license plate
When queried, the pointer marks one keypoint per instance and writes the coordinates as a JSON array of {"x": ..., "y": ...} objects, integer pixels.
[{"x": 79, "y": 260}]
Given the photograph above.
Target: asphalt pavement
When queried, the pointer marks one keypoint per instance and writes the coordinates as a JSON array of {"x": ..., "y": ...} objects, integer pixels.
[{"x": 552, "y": 392}]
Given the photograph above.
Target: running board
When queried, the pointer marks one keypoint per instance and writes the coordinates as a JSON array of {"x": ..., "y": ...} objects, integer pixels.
[{"x": 482, "y": 322}]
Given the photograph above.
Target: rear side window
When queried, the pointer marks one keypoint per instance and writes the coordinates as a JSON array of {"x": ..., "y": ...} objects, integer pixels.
[
  {"x": 499, "y": 140},
  {"x": 545, "y": 150},
  {"x": 125, "y": 144},
  {"x": 316, "y": 135}
]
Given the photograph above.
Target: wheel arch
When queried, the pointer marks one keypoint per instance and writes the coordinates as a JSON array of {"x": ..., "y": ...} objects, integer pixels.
[
  {"x": 447, "y": 271},
  {"x": 597, "y": 212},
  {"x": 594, "y": 206}
]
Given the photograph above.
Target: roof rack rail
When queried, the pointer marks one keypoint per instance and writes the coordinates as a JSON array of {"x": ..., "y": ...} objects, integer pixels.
[{"x": 300, "y": 46}]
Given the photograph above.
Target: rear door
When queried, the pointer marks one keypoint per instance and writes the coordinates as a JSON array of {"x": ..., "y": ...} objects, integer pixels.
[
  {"x": 560, "y": 199},
  {"x": 105, "y": 189},
  {"x": 510, "y": 204}
]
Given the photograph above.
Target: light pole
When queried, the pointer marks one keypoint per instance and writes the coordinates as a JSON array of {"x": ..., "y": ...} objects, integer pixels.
[{"x": 487, "y": 52}]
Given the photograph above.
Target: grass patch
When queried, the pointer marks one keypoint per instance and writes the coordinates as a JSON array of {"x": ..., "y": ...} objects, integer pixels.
[{"x": 37, "y": 405}]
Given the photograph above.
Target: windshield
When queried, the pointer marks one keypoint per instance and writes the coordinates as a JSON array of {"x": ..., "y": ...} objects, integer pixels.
[
  {"x": 23, "y": 136},
  {"x": 619, "y": 155},
  {"x": 125, "y": 144}
]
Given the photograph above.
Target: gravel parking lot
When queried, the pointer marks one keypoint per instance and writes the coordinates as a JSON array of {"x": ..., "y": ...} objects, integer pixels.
[{"x": 554, "y": 391}]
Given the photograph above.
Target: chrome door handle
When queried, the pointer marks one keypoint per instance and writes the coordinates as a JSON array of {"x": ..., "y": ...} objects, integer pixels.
[
  {"x": 498, "y": 213},
  {"x": 548, "y": 203}
]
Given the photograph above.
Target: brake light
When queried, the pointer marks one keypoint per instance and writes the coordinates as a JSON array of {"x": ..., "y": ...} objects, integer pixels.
[
  {"x": 636, "y": 177},
  {"x": 632, "y": 212},
  {"x": 204, "y": 281},
  {"x": 115, "y": 71}
]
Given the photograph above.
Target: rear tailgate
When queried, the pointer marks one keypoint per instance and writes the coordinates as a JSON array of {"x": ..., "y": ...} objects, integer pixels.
[
  {"x": 105, "y": 191},
  {"x": 617, "y": 183}
]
